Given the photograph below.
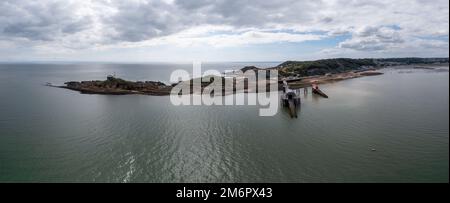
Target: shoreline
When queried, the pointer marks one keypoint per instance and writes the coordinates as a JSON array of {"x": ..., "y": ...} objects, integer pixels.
[
  {"x": 117, "y": 86},
  {"x": 151, "y": 88},
  {"x": 329, "y": 78}
]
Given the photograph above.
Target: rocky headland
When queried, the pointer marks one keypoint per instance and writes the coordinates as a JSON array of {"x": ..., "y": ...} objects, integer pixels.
[
  {"x": 117, "y": 86},
  {"x": 298, "y": 74}
]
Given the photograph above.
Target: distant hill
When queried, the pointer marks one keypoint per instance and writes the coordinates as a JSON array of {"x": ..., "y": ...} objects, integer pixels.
[
  {"x": 323, "y": 66},
  {"x": 408, "y": 61}
]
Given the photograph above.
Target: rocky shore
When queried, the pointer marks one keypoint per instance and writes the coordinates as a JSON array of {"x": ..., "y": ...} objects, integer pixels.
[{"x": 117, "y": 86}]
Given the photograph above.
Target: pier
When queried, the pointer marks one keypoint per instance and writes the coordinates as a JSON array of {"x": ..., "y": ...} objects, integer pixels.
[{"x": 290, "y": 99}]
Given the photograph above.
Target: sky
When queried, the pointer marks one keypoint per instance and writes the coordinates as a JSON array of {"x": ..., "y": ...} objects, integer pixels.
[{"x": 221, "y": 30}]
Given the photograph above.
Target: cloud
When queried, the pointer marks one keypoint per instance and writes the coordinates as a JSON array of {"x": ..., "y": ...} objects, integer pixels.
[
  {"x": 243, "y": 38},
  {"x": 40, "y": 20},
  {"x": 373, "y": 38},
  {"x": 143, "y": 20},
  {"x": 372, "y": 25}
]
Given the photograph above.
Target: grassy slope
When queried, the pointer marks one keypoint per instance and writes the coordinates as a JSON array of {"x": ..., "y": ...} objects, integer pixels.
[{"x": 320, "y": 67}]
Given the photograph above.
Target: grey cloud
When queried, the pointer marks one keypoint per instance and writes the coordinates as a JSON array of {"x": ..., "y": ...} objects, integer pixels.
[
  {"x": 383, "y": 33},
  {"x": 144, "y": 20},
  {"x": 115, "y": 21},
  {"x": 193, "y": 5},
  {"x": 367, "y": 31},
  {"x": 327, "y": 20},
  {"x": 373, "y": 39},
  {"x": 153, "y": 18},
  {"x": 261, "y": 13},
  {"x": 364, "y": 45},
  {"x": 36, "y": 20}
]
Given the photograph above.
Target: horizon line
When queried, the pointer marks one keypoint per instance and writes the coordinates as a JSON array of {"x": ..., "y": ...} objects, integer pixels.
[{"x": 189, "y": 62}]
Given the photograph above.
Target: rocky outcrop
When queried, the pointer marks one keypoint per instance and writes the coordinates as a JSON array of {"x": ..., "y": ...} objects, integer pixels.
[
  {"x": 246, "y": 68},
  {"x": 117, "y": 86}
]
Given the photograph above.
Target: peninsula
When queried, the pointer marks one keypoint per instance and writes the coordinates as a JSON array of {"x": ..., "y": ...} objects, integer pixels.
[{"x": 298, "y": 74}]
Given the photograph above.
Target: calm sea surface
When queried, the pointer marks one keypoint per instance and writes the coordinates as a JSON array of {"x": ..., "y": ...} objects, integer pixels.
[{"x": 53, "y": 135}]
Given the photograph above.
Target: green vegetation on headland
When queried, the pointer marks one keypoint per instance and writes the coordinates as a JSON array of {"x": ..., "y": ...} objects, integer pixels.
[
  {"x": 340, "y": 65},
  {"x": 117, "y": 86},
  {"x": 321, "y": 67},
  {"x": 409, "y": 61}
]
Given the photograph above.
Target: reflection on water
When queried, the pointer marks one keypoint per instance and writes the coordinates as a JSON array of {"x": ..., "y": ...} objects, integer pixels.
[{"x": 49, "y": 134}]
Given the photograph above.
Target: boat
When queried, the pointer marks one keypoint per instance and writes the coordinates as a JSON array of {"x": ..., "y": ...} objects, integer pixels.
[{"x": 316, "y": 90}]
